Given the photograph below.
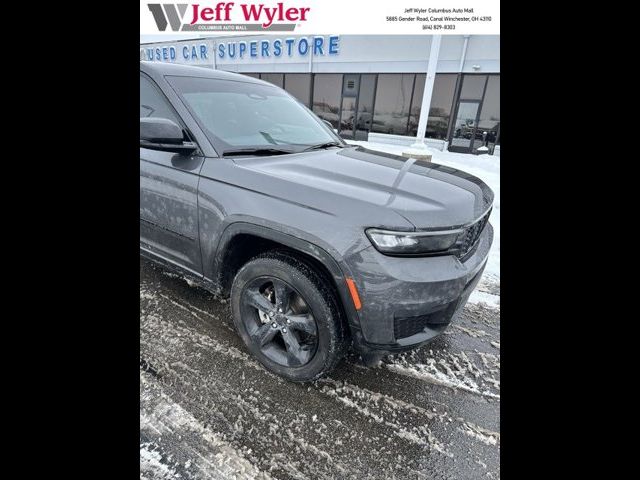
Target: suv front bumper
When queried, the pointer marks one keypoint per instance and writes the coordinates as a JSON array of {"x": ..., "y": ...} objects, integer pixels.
[{"x": 409, "y": 301}]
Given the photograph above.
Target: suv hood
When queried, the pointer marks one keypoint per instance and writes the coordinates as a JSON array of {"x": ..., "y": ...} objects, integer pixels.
[{"x": 427, "y": 195}]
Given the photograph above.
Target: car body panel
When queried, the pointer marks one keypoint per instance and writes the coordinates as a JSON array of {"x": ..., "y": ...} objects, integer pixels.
[
  {"x": 373, "y": 185},
  {"x": 169, "y": 206}
]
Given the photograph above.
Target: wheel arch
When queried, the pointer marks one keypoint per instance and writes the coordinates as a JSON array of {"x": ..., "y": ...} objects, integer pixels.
[{"x": 242, "y": 241}]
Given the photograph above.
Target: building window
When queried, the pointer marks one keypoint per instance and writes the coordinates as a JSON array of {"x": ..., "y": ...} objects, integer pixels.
[
  {"x": 489, "y": 122},
  {"x": 444, "y": 89},
  {"x": 327, "y": 89},
  {"x": 366, "y": 96},
  {"x": 476, "y": 128},
  {"x": 254, "y": 75},
  {"x": 393, "y": 101},
  {"x": 276, "y": 78},
  {"x": 299, "y": 85},
  {"x": 473, "y": 87},
  {"x": 416, "y": 103}
]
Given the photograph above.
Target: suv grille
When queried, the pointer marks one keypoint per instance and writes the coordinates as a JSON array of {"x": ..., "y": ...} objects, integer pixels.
[{"x": 471, "y": 237}]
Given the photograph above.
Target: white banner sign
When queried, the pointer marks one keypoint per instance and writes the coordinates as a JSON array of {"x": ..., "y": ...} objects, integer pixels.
[{"x": 442, "y": 17}]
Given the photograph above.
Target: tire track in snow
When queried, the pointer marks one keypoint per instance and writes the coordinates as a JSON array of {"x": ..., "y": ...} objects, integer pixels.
[
  {"x": 440, "y": 372},
  {"x": 365, "y": 403},
  {"x": 406, "y": 419},
  {"x": 208, "y": 455}
]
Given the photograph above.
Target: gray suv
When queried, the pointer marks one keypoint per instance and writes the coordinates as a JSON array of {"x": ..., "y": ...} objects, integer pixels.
[{"x": 321, "y": 246}]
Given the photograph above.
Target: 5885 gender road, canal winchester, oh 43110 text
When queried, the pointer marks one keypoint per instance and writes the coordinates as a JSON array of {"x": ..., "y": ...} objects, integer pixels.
[{"x": 439, "y": 18}]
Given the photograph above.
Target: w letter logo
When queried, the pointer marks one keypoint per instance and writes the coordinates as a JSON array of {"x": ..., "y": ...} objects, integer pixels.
[{"x": 168, "y": 11}]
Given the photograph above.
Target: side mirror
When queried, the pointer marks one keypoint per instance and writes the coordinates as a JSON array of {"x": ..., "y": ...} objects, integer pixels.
[{"x": 163, "y": 134}]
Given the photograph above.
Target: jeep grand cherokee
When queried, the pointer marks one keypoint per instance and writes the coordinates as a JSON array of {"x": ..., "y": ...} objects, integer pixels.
[{"x": 320, "y": 245}]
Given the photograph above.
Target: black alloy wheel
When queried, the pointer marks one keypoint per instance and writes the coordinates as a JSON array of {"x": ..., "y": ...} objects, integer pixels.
[
  {"x": 288, "y": 316},
  {"x": 279, "y": 321}
]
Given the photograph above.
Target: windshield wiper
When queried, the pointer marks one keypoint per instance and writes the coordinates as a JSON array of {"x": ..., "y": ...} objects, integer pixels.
[
  {"x": 255, "y": 151},
  {"x": 323, "y": 145}
]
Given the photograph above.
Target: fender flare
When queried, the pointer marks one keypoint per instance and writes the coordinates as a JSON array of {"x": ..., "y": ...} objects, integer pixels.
[{"x": 339, "y": 270}]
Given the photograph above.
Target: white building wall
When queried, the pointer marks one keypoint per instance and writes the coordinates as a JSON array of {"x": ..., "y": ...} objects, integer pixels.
[{"x": 483, "y": 51}]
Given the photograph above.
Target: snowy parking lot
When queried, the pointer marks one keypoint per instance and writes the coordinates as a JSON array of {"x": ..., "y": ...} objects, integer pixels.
[{"x": 208, "y": 410}]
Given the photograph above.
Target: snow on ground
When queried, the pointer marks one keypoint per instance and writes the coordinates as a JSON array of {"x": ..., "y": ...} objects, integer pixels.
[
  {"x": 208, "y": 455},
  {"x": 486, "y": 168},
  {"x": 209, "y": 410},
  {"x": 480, "y": 296}
]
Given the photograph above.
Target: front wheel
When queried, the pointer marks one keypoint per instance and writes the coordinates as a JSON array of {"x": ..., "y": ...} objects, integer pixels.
[{"x": 288, "y": 317}]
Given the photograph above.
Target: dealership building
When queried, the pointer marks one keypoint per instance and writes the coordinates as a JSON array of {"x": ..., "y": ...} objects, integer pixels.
[{"x": 369, "y": 86}]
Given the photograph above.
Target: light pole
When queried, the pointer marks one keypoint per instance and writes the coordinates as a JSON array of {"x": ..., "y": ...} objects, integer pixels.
[{"x": 419, "y": 149}]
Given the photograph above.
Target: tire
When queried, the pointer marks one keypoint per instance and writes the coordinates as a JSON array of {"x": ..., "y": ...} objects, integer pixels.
[{"x": 304, "y": 342}]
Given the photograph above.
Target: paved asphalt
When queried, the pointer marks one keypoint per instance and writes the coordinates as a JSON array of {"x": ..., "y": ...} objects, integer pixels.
[{"x": 208, "y": 410}]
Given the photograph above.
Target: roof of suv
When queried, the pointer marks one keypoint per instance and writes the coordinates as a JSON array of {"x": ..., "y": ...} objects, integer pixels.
[{"x": 162, "y": 68}]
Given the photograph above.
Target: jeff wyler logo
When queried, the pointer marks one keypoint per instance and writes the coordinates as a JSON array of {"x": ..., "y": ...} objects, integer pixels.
[{"x": 227, "y": 16}]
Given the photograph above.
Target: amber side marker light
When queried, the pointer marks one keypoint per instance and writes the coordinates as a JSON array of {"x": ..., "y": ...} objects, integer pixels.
[{"x": 354, "y": 293}]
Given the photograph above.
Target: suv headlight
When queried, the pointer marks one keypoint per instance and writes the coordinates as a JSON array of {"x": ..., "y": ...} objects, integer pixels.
[{"x": 413, "y": 243}]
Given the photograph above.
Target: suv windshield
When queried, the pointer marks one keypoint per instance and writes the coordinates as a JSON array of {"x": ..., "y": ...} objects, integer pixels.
[{"x": 238, "y": 116}]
